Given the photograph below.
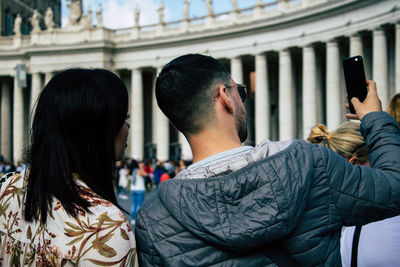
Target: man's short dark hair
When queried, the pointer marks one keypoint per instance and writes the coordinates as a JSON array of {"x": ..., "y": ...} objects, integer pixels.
[{"x": 184, "y": 90}]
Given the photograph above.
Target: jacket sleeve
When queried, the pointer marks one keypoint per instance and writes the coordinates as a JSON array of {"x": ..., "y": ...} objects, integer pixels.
[
  {"x": 364, "y": 194},
  {"x": 147, "y": 254}
]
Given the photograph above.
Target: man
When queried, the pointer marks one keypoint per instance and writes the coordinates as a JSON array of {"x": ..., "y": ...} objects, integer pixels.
[{"x": 279, "y": 203}]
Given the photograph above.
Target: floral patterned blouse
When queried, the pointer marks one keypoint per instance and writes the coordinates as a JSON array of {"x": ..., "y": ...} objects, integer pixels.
[{"x": 100, "y": 238}]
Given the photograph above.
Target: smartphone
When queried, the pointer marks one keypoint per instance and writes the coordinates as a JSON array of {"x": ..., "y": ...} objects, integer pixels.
[{"x": 354, "y": 77}]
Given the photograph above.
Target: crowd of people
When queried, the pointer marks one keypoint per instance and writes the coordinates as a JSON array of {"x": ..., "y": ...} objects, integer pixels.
[
  {"x": 7, "y": 166},
  {"x": 138, "y": 178},
  {"x": 331, "y": 201},
  {"x": 155, "y": 172}
]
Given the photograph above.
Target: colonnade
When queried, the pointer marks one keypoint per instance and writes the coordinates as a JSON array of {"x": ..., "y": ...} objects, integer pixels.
[
  {"x": 160, "y": 123},
  {"x": 16, "y": 106},
  {"x": 306, "y": 86},
  {"x": 322, "y": 99}
]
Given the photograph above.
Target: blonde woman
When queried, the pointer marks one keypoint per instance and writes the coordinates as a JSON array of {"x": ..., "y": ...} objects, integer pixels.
[
  {"x": 347, "y": 141},
  {"x": 394, "y": 107},
  {"x": 374, "y": 244}
]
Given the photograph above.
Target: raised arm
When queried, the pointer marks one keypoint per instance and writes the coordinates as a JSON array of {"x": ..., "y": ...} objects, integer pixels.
[{"x": 364, "y": 194}]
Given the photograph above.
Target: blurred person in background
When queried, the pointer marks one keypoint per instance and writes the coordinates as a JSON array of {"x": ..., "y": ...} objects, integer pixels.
[
  {"x": 147, "y": 167},
  {"x": 2, "y": 166},
  {"x": 177, "y": 168},
  {"x": 165, "y": 177},
  {"x": 149, "y": 175},
  {"x": 373, "y": 244},
  {"x": 123, "y": 181},
  {"x": 116, "y": 177},
  {"x": 158, "y": 171},
  {"x": 133, "y": 167},
  {"x": 183, "y": 164},
  {"x": 138, "y": 189},
  {"x": 170, "y": 166},
  {"x": 62, "y": 209},
  {"x": 20, "y": 166}
]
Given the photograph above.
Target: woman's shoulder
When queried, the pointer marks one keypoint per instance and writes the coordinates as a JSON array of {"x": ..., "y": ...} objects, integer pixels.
[
  {"x": 100, "y": 237},
  {"x": 10, "y": 177},
  {"x": 11, "y": 195},
  {"x": 100, "y": 206},
  {"x": 104, "y": 227},
  {"x": 11, "y": 184}
]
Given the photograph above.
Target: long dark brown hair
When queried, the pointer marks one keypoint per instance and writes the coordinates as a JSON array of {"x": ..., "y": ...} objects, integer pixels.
[{"x": 78, "y": 116}]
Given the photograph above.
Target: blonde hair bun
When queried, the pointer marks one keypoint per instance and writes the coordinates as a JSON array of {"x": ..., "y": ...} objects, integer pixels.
[{"x": 318, "y": 134}]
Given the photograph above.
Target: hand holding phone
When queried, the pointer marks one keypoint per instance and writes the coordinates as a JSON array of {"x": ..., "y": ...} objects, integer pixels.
[
  {"x": 371, "y": 103},
  {"x": 354, "y": 76}
]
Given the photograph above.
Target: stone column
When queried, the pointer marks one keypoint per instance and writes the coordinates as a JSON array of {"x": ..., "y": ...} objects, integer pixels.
[
  {"x": 47, "y": 77},
  {"x": 154, "y": 108},
  {"x": 35, "y": 91},
  {"x": 162, "y": 132},
  {"x": 262, "y": 102},
  {"x": 380, "y": 65},
  {"x": 186, "y": 151},
  {"x": 286, "y": 97},
  {"x": 6, "y": 121},
  {"x": 333, "y": 94},
  {"x": 356, "y": 47},
  {"x": 309, "y": 98},
  {"x": 310, "y": 111},
  {"x": 237, "y": 69},
  {"x": 18, "y": 119},
  {"x": 137, "y": 128},
  {"x": 397, "y": 58}
]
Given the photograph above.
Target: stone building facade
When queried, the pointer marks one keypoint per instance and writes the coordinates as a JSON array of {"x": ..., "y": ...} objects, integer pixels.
[{"x": 289, "y": 53}]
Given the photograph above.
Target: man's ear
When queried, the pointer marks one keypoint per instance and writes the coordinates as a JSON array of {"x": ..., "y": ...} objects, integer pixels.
[
  {"x": 353, "y": 160},
  {"x": 225, "y": 98}
]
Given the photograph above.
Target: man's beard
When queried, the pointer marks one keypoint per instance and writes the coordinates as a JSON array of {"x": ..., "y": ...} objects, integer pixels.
[{"x": 241, "y": 125}]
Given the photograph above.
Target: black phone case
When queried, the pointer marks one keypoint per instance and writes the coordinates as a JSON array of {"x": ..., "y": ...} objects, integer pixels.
[{"x": 354, "y": 76}]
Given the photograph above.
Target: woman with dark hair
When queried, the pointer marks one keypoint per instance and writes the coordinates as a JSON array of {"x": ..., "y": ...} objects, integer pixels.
[{"x": 62, "y": 209}]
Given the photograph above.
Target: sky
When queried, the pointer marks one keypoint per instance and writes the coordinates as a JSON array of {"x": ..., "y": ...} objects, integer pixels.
[{"x": 119, "y": 13}]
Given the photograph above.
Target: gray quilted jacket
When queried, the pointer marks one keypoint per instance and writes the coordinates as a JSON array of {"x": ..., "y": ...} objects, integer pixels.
[{"x": 296, "y": 200}]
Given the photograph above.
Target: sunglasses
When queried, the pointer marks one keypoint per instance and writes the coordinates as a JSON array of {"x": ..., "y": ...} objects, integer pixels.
[{"x": 241, "y": 90}]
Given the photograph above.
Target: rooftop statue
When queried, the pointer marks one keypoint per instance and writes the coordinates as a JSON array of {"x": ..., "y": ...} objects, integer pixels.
[
  {"x": 35, "y": 20},
  {"x": 234, "y": 5},
  {"x": 75, "y": 13},
  {"x": 17, "y": 25},
  {"x": 48, "y": 19},
  {"x": 99, "y": 17},
  {"x": 160, "y": 11},
  {"x": 186, "y": 9},
  {"x": 209, "y": 6},
  {"x": 137, "y": 15},
  {"x": 87, "y": 20}
]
